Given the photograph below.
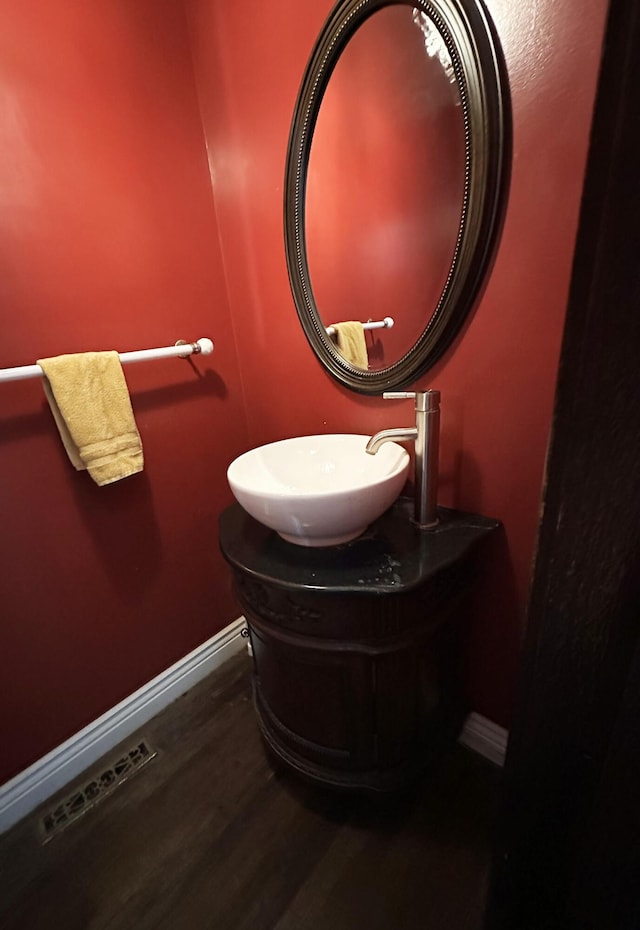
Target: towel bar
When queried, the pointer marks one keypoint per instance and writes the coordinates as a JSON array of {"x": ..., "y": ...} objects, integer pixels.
[
  {"x": 387, "y": 323},
  {"x": 181, "y": 349}
]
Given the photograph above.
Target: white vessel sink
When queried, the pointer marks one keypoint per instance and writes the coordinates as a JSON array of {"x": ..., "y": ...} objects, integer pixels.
[{"x": 318, "y": 490}]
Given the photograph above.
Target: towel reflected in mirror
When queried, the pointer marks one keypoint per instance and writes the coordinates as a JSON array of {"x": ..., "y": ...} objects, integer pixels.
[{"x": 349, "y": 337}]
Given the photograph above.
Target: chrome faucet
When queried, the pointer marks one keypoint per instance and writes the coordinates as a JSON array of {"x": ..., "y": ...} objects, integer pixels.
[{"x": 426, "y": 436}]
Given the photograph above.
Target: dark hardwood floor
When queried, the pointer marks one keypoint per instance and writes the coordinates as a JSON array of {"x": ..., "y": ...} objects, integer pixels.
[{"x": 206, "y": 835}]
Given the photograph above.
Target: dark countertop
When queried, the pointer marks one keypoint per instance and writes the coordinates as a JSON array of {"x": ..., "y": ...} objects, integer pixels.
[{"x": 392, "y": 556}]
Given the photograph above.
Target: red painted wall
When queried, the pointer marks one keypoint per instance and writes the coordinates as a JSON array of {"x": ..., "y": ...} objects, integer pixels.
[
  {"x": 498, "y": 380},
  {"x": 108, "y": 239}
]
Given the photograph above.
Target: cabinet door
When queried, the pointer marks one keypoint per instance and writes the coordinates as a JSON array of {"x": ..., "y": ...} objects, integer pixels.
[
  {"x": 420, "y": 702},
  {"x": 315, "y": 698}
]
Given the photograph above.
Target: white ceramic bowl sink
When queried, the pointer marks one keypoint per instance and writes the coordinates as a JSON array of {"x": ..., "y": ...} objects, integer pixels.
[{"x": 318, "y": 490}]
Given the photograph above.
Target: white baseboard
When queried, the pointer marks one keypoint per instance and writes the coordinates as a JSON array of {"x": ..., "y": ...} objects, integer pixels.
[
  {"x": 485, "y": 737},
  {"x": 45, "y": 777}
]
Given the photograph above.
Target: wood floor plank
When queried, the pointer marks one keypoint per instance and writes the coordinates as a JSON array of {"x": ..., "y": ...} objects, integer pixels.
[
  {"x": 207, "y": 835},
  {"x": 401, "y": 864}
]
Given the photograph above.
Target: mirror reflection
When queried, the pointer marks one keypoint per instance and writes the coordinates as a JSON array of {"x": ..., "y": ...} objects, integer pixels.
[
  {"x": 386, "y": 184},
  {"x": 395, "y": 187}
]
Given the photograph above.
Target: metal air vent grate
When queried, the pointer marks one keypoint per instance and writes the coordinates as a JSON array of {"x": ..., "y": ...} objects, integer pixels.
[{"x": 79, "y": 802}]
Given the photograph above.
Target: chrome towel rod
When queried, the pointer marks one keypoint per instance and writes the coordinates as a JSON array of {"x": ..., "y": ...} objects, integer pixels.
[
  {"x": 387, "y": 323},
  {"x": 181, "y": 349}
]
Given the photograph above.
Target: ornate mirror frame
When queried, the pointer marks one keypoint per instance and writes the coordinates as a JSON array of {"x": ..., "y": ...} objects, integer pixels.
[{"x": 481, "y": 77}]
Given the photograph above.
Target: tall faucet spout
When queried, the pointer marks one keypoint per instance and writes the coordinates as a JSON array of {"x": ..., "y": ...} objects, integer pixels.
[{"x": 425, "y": 435}]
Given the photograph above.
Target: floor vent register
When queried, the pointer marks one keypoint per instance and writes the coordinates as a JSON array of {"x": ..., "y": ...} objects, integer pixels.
[{"x": 83, "y": 799}]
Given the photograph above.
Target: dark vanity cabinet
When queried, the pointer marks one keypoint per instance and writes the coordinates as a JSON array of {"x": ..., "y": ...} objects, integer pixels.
[{"x": 357, "y": 649}]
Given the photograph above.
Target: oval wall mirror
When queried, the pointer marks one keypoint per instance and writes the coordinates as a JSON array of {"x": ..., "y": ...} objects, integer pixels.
[{"x": 396, "y": 178}]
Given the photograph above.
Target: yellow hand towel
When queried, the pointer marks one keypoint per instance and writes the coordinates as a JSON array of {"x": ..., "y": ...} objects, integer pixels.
[
  {"x": 90, "y": 402},
  {"x": 350, "y": 341}
]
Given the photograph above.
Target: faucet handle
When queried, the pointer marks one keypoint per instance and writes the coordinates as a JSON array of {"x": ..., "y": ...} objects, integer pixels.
[{"x": 426, "y": 401}]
